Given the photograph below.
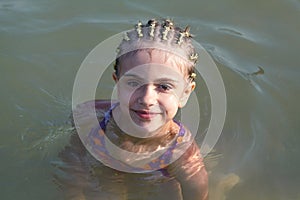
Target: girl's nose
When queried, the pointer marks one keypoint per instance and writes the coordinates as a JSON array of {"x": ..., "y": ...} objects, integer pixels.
[{"x": 147, "y": 95}]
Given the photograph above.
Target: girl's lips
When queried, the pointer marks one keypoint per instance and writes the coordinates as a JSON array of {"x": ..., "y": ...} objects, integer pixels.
[{"x": 145, "y": 114}]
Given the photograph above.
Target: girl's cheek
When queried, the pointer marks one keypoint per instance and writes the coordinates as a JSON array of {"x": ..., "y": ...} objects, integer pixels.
[
  {"x": 171, "y": 99},
  {"x": 170, "y": 103},
  {"x": 125, "y": 95}
]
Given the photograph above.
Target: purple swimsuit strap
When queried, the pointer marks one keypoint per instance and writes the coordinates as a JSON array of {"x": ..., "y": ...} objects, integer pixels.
[{"x": 107, "y": 116}]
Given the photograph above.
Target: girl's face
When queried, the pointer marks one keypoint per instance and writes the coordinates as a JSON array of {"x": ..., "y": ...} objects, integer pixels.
[{"x": 150, "y": 90}]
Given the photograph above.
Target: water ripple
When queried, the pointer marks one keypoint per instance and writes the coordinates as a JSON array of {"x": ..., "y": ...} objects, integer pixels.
[
  {"x": 18, "y": 6},
  {"x": 248, "y": 70}
]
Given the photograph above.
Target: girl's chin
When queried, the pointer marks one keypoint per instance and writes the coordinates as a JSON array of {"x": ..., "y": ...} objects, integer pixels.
[
  {"x": 148, "y": 128},
  {"x": 147, "y": 120},
  {"x": 144, "y": 129},
  {"x": 139, "y": 124}
]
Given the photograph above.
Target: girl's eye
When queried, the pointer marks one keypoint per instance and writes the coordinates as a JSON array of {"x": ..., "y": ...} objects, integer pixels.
[
  {"x": 164, "y": 87},
  {"x": 133, "y": 83}
]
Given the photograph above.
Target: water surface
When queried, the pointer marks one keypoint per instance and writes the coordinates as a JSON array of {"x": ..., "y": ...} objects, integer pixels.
[{"x": 255, "y": 45}]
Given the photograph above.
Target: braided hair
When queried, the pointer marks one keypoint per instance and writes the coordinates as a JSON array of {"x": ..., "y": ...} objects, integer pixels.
[{"x": 161, "y": 35}]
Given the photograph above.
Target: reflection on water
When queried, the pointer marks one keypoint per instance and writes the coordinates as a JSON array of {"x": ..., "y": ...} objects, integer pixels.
[{"x": 255, "y": 45}]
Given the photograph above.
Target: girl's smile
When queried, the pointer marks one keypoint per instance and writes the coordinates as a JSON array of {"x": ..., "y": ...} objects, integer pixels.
[{"x": 145, "y": 115}]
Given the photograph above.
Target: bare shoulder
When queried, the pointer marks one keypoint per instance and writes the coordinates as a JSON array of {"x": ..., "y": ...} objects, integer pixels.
[
  {"x": 102, "y": 104},
  {"x": 84, "y": 113}
]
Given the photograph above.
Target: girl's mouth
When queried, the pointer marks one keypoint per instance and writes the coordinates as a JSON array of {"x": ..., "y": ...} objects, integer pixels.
[{"x": 145, "y": 114}]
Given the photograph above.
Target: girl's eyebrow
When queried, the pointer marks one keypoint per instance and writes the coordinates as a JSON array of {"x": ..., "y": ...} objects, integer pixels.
[
  {"x": 167, "y": 80},
  {"x": 133, "y": 75},
  {"x": 164, "y": 79}
]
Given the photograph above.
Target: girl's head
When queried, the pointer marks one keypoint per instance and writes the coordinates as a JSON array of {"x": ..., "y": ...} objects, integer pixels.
[
  {"x": 155, "y": 74},
  {"x": 162, "y": 36}
]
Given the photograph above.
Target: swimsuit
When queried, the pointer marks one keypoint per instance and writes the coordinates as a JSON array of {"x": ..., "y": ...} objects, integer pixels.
[{"x": 96, "y": 141}]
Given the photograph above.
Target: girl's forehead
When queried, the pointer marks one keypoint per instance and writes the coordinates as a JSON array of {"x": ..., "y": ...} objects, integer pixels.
[
  {"x": 148, "y": 57},
  {"x": 153, "y": 73}
]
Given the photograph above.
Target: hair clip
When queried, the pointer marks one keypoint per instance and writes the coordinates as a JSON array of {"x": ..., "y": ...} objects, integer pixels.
[
  {"x": 167, "y": 25},
  {"x": 193, "y": 76},
  {"x": 125, "y": 36},
  {"x": 165, "y": 33},
  {"x": 139, "y": 29},
  {"x": 187, "y": 32},
  {"x": 194, "y": 57},
  {"x": 180, "y": 38},
  {"x": 152, "y": 24}
]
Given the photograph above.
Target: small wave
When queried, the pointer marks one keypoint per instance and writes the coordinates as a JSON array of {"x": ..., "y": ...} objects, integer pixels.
[
  {"x": 141, "y": 7},
  {"x": 228, "y": 60},
  {"x": 244, "y": 33},
  {"x": 19, "y": 6},
  {"x": 54, "y": 137},
  {"x": 230, "y": 31}
]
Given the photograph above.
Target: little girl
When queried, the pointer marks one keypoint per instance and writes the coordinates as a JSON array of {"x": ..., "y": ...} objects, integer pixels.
[{"x": 138, "y": 150}]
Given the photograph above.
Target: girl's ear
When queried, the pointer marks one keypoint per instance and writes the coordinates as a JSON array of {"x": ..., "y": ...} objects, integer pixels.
[
  {"x": 115, "y": 77},
  {"x": 186, "y": 94}
]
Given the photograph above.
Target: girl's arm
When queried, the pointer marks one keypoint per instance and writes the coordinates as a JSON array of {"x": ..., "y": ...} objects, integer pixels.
[{"x": 190, "y": 172}]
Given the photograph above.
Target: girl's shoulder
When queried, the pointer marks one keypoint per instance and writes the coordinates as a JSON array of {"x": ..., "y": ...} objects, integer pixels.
[
  {"x": 102, "y": 104},
  {"x": 84, "y": 112}
]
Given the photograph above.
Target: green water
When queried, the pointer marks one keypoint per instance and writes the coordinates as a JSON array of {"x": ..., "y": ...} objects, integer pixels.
[{"x": 42, "y": 44}]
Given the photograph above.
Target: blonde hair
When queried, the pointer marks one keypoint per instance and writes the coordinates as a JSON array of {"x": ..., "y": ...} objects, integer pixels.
[{"x": 163, "y": 36}]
